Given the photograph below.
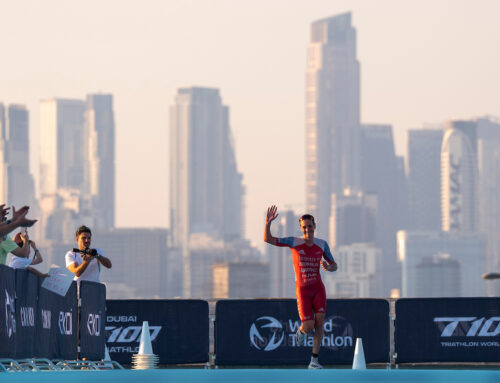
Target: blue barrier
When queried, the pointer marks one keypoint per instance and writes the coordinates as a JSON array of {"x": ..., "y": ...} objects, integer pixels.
[
  {"x": 35, "y": 322},
  {"x": 448, "y": 330},
  {"x": 7, "y": 312},
  {"x": 262, "y": 332},
  {"x": 179, "y": 329},
  {"x": 92, "y": 320}
]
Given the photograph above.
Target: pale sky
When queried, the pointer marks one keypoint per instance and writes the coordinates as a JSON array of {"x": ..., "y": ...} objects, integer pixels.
[{"x": 422, "y": 62}]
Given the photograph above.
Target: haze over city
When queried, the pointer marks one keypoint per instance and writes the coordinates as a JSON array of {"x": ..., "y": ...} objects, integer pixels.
[
  {"x": 421, "y": 62},
  {"x": 267, "y": 85}
]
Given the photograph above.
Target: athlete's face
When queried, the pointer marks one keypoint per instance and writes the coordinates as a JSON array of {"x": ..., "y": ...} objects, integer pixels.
[{"x": 307, "y": 226}]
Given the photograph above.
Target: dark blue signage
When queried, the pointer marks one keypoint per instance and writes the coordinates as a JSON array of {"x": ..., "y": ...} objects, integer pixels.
[
  {"x": 262, "y": 332},
  {"x": 7, "y": 312},
  {"x": 65, "y": 324},
  {"x": 448, "y": 330},
  {"x": 92, "y": 320},
  {"x": 26, "y": 305},
  {"x": 178, "y": 329}
]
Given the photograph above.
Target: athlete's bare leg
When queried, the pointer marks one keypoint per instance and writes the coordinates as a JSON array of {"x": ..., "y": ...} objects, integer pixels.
[
  {"x": 307, "y": 326},
  {"x": 319, "y": 319}
]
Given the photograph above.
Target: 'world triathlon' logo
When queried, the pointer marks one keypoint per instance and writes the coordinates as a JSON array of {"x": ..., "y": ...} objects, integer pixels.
[{"x": 266, "y": 333}]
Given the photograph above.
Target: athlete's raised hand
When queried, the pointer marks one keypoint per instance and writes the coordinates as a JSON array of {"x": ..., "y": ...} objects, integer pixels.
[
  {"x": 270, "y": 217},
  {"x": 271, "y": 214}
]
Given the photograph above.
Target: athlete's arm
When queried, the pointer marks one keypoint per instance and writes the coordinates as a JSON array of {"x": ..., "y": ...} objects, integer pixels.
[
  {"x": 270, "y": 217},
  {"x": 328, "y": 263}
]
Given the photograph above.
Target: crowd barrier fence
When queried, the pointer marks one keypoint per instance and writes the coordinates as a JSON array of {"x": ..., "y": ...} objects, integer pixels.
[{"x": 35, "y": 322}]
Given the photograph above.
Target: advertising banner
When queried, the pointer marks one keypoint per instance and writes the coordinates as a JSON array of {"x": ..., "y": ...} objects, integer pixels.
[
  {"x": 65, "y": 324},
  {"x": 92, "y": 320},
  {"x": 178, "y": 329},
  {"x": 26, "y": 301},
  {"x": 262, "y": 332},
  {"x": 46, "y": 327},
  {"x": 7, "y": 312},
  {"x": 448, "y": 330}
]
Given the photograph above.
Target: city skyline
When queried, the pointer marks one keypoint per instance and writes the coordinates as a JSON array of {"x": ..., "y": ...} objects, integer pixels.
[{"x": 257, "y": 106}]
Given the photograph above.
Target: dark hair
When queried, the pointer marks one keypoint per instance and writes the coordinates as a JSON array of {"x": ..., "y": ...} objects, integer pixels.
[
  {"x": 83, "y": 229},
  {"x": 307, "y": 216}
]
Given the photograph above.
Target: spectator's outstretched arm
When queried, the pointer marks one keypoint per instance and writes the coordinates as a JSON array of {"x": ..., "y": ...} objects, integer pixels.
[
  {"x": 36, "y": 272},
  {"x": 18, "y": 219},
  {"x": 270, "y": 217}
]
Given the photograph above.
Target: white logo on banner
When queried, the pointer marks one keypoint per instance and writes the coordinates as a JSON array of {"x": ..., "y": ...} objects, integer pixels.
[
  {"x": 268, "y": 333},
  {"x": 128, "y": 334},
  {"x": 468, "y": 326},
  {"x": 65, "y": 323},
  {"x": 276, "y": 331},
  {"x": 46, "y": 319},
  {"x": 10, "y": 314},
  {"x": 94, "y": 324},
  {"x": 27, "y": 315}
]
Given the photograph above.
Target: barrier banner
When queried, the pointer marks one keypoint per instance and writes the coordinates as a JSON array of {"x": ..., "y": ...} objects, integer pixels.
[
  {"x": 26, "y": 301},
  {"x": 92, "y": 320},
  {"x": 65, "y": 324},
  {"x": 178, "y": 329},
  {"x": 7, "y": 312},
  {"x": 46, "y": 323},
  {"x": 262, "y": 332},
  {"x": 448, "y": 330}
]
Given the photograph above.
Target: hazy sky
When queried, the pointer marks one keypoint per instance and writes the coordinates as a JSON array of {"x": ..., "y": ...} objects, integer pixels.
[{"x": 421, "y": 61}]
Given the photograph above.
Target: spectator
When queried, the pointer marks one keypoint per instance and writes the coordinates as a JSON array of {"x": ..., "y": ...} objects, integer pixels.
[
  {"x": 83, "y": 261},
  {"x": 7, "y": 245},
  {"x": 24, "y": 261}
]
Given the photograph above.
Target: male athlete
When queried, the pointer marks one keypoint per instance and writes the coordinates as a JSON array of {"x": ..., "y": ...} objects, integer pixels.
[{"x": 307, "y": 255}]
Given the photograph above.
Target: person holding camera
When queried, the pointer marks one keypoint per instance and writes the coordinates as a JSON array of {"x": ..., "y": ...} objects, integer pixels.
[{"x": 83, "y": 261}]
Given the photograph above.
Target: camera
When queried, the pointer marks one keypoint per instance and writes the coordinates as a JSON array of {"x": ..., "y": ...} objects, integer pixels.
[{"x": 91, "y": 252}]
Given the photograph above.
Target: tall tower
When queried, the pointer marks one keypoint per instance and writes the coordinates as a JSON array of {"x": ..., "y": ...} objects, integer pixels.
[
  {"x": 332, "y": 115},
  {"x": 206, "y": 189},
  {"x": 424, "y": 174},
  {"x": 21, "y": 187},
  {"x": 3, "y": 158},
  {"x": 380, "y": 174},
  {"x": 62, "y": 166},
  {"x": 100, "y": 161},
  {"x": 62, "y": 145},
  {"x": 459, "y": 177}
]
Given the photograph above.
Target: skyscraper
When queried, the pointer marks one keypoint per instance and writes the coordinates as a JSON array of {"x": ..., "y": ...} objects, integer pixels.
[
  {"x": 3, "y": 159},
  {"x": 380, "y": 175},
  {"x": 62, "y": 145},
  {"x": 21, "y": 187},
  {"x": 206, "y": 190},
  {"x": 353, "y": 218},
  {"x": 466, "y": 248},
  {"x": 332, "y": 115},
  {"x": 424, "y": 178},
  {"x": 488, "y": 161},
  {"x": 100, "y": 169},
  {"x": 76, "y": 164},
  {"x": 459, "y": 177}
]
